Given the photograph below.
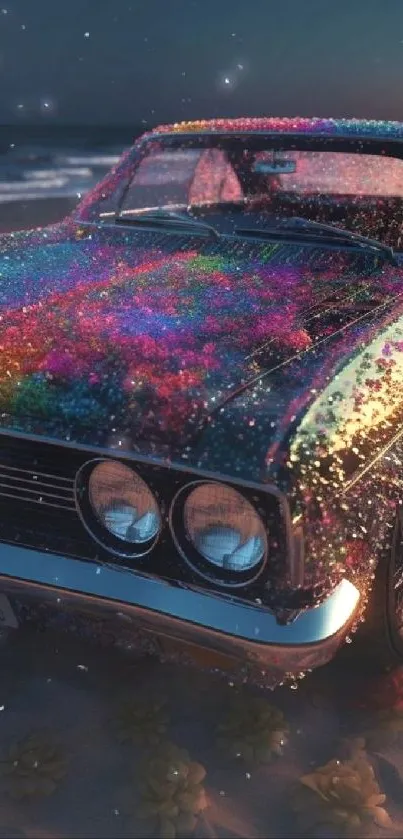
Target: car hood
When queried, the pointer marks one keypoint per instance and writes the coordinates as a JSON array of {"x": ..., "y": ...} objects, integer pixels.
[{"x": 109, "y": 333}]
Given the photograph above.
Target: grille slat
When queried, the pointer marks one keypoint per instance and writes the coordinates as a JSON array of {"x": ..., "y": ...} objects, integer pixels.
[
  {"x": 20, "y": 497},
  {"x": 21, "y": 484},
  {"x": 37, "y": 486},
  {"x": 35, "y": 473},
  {"x": 32, "y": 480},
  {"x": 34, "y": 486}
]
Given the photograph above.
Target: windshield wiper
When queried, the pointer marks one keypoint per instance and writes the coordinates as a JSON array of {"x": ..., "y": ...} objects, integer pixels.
[
  {"x": 304, "y": 228},
  {"x": 162, "y": 218},
  {"x": 343, "y": 233}
]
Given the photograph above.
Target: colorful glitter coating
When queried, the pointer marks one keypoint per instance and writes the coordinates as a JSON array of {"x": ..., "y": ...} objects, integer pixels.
[
  {"x": 150, "y": 342},
  {"x": 375, "y": 129}
]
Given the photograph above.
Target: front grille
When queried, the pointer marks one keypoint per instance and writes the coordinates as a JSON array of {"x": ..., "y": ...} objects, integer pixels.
[
  {"x": 37, "y": 507},
  {"x": 51, "y": 460},
  {"x": 34, "y": 487},
  {"x": 37, "y": 510}
]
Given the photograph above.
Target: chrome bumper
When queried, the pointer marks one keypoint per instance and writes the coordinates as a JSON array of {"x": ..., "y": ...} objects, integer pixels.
[{"x": 181, "y": 622}]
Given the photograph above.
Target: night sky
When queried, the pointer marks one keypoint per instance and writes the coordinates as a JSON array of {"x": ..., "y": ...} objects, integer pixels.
[{"x": 134, "y": 61}]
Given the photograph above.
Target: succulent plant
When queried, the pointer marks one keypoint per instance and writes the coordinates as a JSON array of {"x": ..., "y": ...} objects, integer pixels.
[
  {"x": 343, "y": 794},
  {"x": 33, "y": 766},
  {"x": 142, "y": 722},
  {"x": 253, "y": 730},
  {"x": 172, "y": 793}
]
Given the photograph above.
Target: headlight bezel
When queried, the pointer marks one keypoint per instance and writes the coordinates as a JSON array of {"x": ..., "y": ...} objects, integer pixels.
[
  {"x": 201, "y": 567},
  {"x": 92, "y": 522}
]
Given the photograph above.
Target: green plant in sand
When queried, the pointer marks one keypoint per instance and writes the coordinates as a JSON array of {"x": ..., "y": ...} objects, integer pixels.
[
  {"x": 142, "y": 722},
  {"x": 252, "y": 730},
  {"x": 343, "y": 794},
  {"x": 172, "y": 792},
  {"x": 33, "y": 766}
]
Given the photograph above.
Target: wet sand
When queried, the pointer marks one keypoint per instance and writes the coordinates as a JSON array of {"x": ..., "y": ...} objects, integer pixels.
[
  {"x": 74, "y": 696},
  {"x": 20, "y": 215}
]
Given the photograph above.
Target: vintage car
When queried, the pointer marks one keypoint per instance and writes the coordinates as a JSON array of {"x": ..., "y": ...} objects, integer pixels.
[{"x": 201, "y": 400}]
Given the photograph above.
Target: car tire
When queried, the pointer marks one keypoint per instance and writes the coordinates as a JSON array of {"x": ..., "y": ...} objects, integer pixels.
[{"x": 380, "y": 639}]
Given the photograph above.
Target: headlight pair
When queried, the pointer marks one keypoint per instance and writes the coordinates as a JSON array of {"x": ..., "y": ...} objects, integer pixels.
[{"x": 216, "y": 529}]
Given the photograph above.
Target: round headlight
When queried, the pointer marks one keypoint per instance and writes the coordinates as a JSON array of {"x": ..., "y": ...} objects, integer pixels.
[
  {"x": 226, "y": 532},
  {"x": 121, "y": 511}
]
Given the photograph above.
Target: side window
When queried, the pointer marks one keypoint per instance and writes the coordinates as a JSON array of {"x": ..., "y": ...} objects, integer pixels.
[
  {"x": 179, "y": 177},
  {"x": 214, "y": 180},
  {"x": 162, "y": 179}
]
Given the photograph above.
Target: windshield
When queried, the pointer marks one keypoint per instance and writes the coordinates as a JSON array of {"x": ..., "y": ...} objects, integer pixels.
[{"x": 353, "y": 185}]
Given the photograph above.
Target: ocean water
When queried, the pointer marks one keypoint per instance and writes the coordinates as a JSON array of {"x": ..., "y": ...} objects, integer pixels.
[{"x": 33, "y": 171}]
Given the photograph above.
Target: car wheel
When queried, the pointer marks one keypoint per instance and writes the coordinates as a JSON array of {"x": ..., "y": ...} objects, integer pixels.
[{"x": 380, "y": 640}]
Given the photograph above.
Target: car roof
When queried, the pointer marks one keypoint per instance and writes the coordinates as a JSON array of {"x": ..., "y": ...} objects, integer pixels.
[{"x": 315, "y": 126}]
